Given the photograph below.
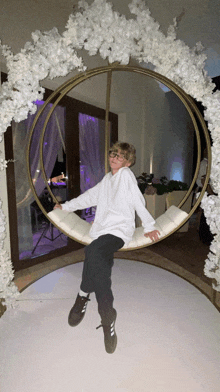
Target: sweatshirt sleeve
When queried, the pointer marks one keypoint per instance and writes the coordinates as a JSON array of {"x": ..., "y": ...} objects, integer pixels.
[
  {"x": 138, "y": 200},
  {"x": 86, "y": 200}
]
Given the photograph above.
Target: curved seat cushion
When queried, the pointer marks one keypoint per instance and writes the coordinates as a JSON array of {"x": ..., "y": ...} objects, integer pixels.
[
  {"x": 78, "y": 229},
  {"x": 71, "y": 224}
]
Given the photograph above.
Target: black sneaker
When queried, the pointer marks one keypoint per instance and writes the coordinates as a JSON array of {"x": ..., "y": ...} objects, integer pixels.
[
  {"x": 78, "y": 310},
  {"x": 110, "y": 337}
]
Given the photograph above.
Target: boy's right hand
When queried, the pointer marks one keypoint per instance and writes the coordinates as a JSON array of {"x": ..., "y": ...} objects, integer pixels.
[
  {"x": 57, "y": 206},
  {"x": 153, "y": 235}
]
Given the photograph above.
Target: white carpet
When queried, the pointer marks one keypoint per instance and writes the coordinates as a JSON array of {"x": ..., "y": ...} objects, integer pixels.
[{"x": 168, "y": 336}]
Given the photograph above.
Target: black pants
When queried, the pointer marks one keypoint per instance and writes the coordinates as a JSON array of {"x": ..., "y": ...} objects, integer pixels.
[{"x": 97, "y": 270}]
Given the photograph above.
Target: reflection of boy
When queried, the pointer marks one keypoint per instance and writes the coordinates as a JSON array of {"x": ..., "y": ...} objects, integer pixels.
[{"x": 117, "y": 197}]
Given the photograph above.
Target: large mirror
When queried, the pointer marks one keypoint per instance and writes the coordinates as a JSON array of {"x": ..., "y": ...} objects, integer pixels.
[{"x": 143, "y": 112}]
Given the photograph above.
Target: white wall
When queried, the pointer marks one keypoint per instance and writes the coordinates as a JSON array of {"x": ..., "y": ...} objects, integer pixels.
[
  {"x": 179, "y": 140},
  {"x": 138, "y": 100}
]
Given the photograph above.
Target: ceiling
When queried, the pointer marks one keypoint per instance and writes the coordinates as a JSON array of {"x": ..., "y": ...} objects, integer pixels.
[{"x": 199, "y": 21}]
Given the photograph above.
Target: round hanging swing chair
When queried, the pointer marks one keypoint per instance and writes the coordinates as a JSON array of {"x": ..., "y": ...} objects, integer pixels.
[{"x": 70, "y": 223}]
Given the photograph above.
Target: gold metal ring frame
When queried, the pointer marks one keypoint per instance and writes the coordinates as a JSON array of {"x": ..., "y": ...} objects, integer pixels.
[{"x": 65, "y": 88}]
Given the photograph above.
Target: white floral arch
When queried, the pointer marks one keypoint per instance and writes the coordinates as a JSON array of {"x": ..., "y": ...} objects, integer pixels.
[{"x": 97, "y": 28}]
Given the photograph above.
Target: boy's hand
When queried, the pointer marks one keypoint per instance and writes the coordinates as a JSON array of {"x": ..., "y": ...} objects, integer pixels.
[
  {"x": 153, "y": 235},
  {"x": 57, "y": 206}
]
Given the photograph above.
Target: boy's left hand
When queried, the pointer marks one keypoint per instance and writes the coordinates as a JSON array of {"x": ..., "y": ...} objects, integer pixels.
[{"x": 153, "y": 235}]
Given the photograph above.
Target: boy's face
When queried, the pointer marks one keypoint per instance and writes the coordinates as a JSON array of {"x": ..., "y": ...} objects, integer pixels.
[{"x": 117, "y": 160}]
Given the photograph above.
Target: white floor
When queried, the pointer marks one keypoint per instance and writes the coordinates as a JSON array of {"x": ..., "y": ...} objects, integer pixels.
[{"x": 168, "y": 336}]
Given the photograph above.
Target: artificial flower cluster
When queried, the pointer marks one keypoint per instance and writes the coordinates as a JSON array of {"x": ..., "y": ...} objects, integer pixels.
[
  {"x": 97, "y": 28},
  {"x": 3, "y": 164},
  {"x": 49, "y": 55},
  {"x": 8, "y": 290}
]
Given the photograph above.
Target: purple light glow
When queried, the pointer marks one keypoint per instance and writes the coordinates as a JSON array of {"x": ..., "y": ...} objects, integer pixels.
[
  {"x": 84, "y": 118},
  {"x": 39, "y": 102},
  {"x": 42, "y": 102}
]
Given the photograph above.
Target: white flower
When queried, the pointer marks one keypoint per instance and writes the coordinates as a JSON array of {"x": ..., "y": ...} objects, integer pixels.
[
  {"x": 3, "y": 164},
  {"x": 8, "y": 290}
]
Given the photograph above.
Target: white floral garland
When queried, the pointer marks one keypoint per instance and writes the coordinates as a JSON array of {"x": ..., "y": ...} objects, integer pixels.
[
  {"x": 97, "y": 28},
  {"x": 8, "y": 290}
]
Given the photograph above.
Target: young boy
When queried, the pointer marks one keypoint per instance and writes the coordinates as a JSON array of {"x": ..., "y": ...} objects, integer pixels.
[{"x": 117, "y": 197}]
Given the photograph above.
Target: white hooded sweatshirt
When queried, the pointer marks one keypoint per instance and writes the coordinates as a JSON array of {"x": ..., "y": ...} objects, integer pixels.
[{"x": 117, "y": 197}]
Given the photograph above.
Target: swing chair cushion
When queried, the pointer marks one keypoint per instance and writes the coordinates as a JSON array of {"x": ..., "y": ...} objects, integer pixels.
[{"x": 75, "y": 227}]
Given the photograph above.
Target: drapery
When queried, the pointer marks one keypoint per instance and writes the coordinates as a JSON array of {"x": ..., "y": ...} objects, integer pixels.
[
  {"x": 52, "y": 144},
  {"x": 91, "y": 140},
  {"x": 92, "y": 148}
]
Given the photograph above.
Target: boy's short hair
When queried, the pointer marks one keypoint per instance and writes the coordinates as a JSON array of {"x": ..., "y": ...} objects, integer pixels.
[{"x": 127, "y": 150}]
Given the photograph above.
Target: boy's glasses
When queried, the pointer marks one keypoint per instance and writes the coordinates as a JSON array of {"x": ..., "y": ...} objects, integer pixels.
[{"x": 120, "y": 158}]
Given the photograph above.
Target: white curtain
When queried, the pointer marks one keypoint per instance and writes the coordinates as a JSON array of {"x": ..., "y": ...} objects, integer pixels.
[
  {"x": 52, "y": 143},
  {"x": 91, "y": 162},
  {"x": 92, "y": 148}
]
